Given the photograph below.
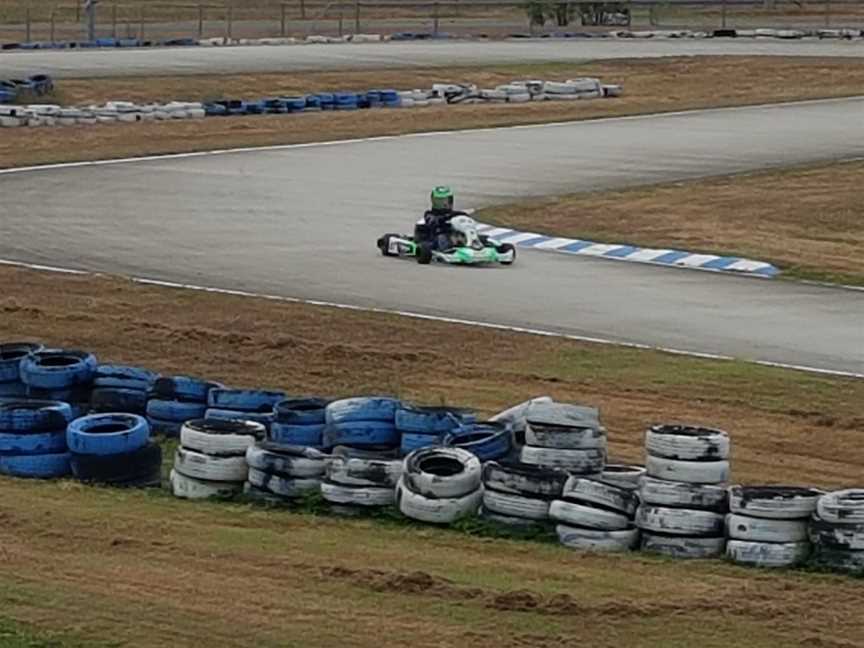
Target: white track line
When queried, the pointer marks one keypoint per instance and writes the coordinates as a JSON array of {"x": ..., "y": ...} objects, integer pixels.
[{"x": 437, "y": 318}]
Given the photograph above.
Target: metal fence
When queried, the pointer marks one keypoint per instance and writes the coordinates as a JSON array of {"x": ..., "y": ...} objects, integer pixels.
[{"x": 26, "y": 21}]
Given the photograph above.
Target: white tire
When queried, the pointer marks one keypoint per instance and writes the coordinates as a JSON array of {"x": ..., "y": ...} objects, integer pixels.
[
  {"x": 581, "y": 462},
  {"x": 587, "y": 516},
  {"x": 848, "y": 537},
  {"x": 516, "y": 415},
  {"x": 845, "y": 506},
  {"x": 597, "y": 541},
  {"x": 692, "y": 472},
  {"x": 364, "y": 472},
  {"x": 595, "y": 492},
  {"x": 682, "y": 546},
  {"x": 288, "y": 464},
  {"x": 687, "y": 443},
  {"x": 524, "y": 479},
  {"x": 685, "y": 522},
  {"x": 557, "y": 88},
  {"x": 190, "y": 488},
  {"x": 282, "y": 486},
  {"x": 622, "y": 475},
  {"x": 442, "y": 472},
  {"x": 515, "y": 505},
  {"x": 767, "y": 554},
  {"x": 198, "y": 465},
  {"x": 548, "y": 436},
  {"x": 774, "y": 502},
  {"x": 437, "y": 511},
  {"x": 357, "y": 495},
  {"x": 660, "y": 492},
  {"x": 522, "y": 97},
  {"x": 506, "y": 520},
  {"x": 741, "y": 527},
  {"x": 220, "y": 438}
]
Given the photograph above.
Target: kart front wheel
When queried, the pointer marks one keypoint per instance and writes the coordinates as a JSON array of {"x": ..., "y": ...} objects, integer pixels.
[
  {"x": 504, "y": 248},
  {"x": 424, "y": 255},
  {"x": 384, "y": 245}
]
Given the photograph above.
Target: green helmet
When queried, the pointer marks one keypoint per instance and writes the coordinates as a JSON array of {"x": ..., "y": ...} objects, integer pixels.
[{"x": 442, "y": 198}]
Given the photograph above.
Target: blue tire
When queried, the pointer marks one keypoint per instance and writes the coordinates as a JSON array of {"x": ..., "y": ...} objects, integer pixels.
[
  {"x": 412, "y": 441},
  {"x": 247, "y": 400},
  {"x": 177, "y": 411},
  {"x": 301, "y": 411},
  {"x": 11, "y": 354},
  {"x": 129, "y": 401},
  {"x": 487, "y": 441},
  {"x": 183, "y": 387},
  {"x": 79, "y": 394},
  {"x": 57, "y": 368},
  {"x": 169, "y": 429},
  {"x": 104, "y": 434},
  {"x": 432, "y": 420},
  {"x": 350, "y": 410},
  {"x": 123, "y": 377},
  {"x": 234, "y": 415},
  {"x": 33, "y": 443},
  {"x": 360, "y": 433},
  {"x": 42, "y": 466},
  {"x": 34, "y": 415},
  {"x": 13, "y": 390},
  {"x": 301, "y": 435}
]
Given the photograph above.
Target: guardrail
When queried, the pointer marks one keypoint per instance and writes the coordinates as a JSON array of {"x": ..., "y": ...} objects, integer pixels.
[{"x": 25, "y": 22}]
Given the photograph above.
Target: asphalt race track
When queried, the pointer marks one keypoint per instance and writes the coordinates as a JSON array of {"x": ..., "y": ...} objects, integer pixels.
[
  {"x": 302, "y": 221},
  {"x": 242, "y": 59}
]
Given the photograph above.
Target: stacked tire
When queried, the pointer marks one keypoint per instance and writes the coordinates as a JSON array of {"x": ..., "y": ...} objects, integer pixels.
[
  {"x": 114, "y": 449},
  {"x": 120, "y": 388},
  {"x": 561, "y": 435},
  {"x": 11, "y": 354},
  {"x": 299, "y": 422},
  {"x": 280, "y": 472},
  {"x": 424, "y": 427},
  {"x": 768, "y": 525},
  {"x": 440, "y": 485},
  {"x": 359, "y": 480},
  {"x": 33, "y": 438},
  {"x": 487, "y": 441},
  {"x": 516, "y": 494},
  {"x": 176, "y": 399},
  {"x": 683, "y": 496},
  {"x": 211, "y": 458},
  {"x": 596, "y": 516},
  {"x": 362, "y": 422},
  {"x": 837, "y": 530},
  {"x": 243, "y": 404},
  {"x": 60, "y": 375}
]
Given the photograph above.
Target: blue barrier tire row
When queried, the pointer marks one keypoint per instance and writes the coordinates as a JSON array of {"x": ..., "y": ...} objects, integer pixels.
[
  {"x": 33, "y": 438},
  {"x": 299, "y": 421},
  {"x": 138, "y": 468},
  {"x": 38, "y": 85},
  {"x": 58, "y": 369},
  {"x": 11, "y": 354},
  {"x": 488, "y": 441},
  {"x": 361, "y": 422},
  {"x": 107, "y": 434},
  {"x": 174, "y": 400}
]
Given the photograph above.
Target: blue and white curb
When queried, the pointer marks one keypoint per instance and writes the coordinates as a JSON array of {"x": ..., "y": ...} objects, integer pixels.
[{"x": 623, "y": 252}]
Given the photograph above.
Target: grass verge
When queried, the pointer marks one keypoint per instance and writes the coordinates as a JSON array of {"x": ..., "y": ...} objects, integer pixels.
[
  {"x": 804, "y": 220},
  {"x": 650, "y": 85}
]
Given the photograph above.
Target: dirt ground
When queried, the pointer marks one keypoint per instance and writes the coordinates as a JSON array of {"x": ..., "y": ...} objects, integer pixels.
[
  {"x": 89, "y": 566},
  {"x": 806, "y": 221},
  {"x": 649, "y": 86}
]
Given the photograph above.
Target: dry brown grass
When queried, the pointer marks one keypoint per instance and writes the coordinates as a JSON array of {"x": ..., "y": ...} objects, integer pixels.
[
  {"x": 142, "y": 570},
  {"x": 650, "y": 86},
  {"x": 806, "y": 221}
]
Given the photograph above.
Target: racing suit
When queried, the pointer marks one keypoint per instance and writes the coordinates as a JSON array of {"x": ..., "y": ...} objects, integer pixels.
[{"x": 438, "y": 227}]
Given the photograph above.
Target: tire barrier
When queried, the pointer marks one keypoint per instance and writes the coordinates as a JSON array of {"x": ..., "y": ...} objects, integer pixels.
[
  {"x": 683, "y": 494},
  {"x": 367, "y": 422},
  {"x": 564, "y": 436},
  {"x": 33, "y": 438},
  {"x": 17, "y": 90},
  {"x": 283, "y": 473},
  {"x": 439, "y": 485},
  {"x": 595, "y": 516},
  {"x": 837, "y": 530},
  {"x": 243, "y": 404},
  {"x": 120, "y": 388},
  {"x": 173, "y": 400},
  {"x": 112, "y": 112},
  {"x": 488, "y": 441},
  {"x": 352, "y": 483},
  {"x": 299, "y": 421},
  {"x": 422, "y": 427},
  {"x": 11, "y": 354},
  {"x": 518, "y": 494},
  {"x": 211, "y": 458},
  {"x": 114, "y": 449},
  {"x": 64, "y": 375}
]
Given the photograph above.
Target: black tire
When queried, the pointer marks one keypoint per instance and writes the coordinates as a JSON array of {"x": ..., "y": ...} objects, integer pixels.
[
  {"x": 503, "y": 249},
  {"x": 384, "y": 245},
  {"x": 128, "y": 467},
  {"x": 424, "y": 255}
]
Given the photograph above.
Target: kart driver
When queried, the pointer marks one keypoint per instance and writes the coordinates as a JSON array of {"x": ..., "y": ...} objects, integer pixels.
[{"x": 437, "y": 219}]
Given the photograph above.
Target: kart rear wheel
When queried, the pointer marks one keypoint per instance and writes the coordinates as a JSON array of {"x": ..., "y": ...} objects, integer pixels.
[
  {"x": 384, "y": 245},
  {"x": 504, "y": 248},
  {"x": 424, "y": 255}
]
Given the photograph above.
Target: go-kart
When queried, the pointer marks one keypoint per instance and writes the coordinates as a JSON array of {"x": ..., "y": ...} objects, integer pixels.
[{"x": 466, "y": 245}]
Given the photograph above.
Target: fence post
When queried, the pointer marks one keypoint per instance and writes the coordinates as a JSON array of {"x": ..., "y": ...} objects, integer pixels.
[
  {"x": 200, "y": 22},
  {"x": 114, "y": 21},
  {"x": 723, "y": 13},
  {"x": 27, "y": 19},
  {"x": 356, "y": 16},
  {"x": 435, "y": 18},
  {"x": 303, "y": 9},
  {"x": 91, "y": 22},
  {"x": 51, "y": 21},
  {"x": 77, "y": 11},
  {"x": 141, "y": 24},
  {"x": 827, "y": 13},
  {"x": 341, "y": 12},
  {"x": 282, "y": 20},
  {"x": 229, "y": 20}
]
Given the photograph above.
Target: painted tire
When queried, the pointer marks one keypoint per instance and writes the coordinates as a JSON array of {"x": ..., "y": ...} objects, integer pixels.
[
  {"x": 287, "y": 487},
  {"x": 111, "y": 399},
  {"x": 488, "y": 441},
  {"x": 220, "y": 438},
  {"x": 774, "y": 502},
  {"x": 685, "y": 522},
  {"x": 123, "y": 377},
  {"x": 845, "y": 537},
  {"x": 587, "y": 516},
  {"x": 362, "y": 409},
  {"x": 842, "y": 506},
  {"x": 357, "y": 495},
  {"x": 363, "y": 472},
  {"x": 177, "y": 411},
  {"x": 625, "y": 476},
  {"x": 692, "y": 472},
  {"x": 106, "y": 434},
  {"x": 741, "y": 527},
  {"x": 297, "y": 434},
  {"x": 41, "y": 466},
  {"x": 360, "y": 433},
  {"x": 682, "y": 546},
  {"x": 524, "y": 479},
  {"x": 198, "y": 465},
  {"x": 11, "y": 354},
  {"x": 247, "y": 400},
  {"x": 33, "y": 443},
  {"x": 270, "y": 458},
  {"x": 580, "y": 462},
  {"x": 57, "y": 368},
  {"x": 182, "y": 388},
  {"x": 687, "y": 443},
  {"x": 442, "y": 472},
  {"x": 515, "y": 505},
  {"x": 301, "y": 411},
  {"x": 412, "y": 441},
  {"x": 445, "y": 510},
  {"x": 598, "y": 541},
  {"x": 603, "y": 495},
  {"x": 660, "y": 492},
  {"x": 34, "y": 415},
  {"x": 190, "y": 488},
  {"x": 432, "y": 420},
  {"x": 214, "y": 414},
  {"x": 141, "y": 464},
  {"x": 767, "y": 554}
]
